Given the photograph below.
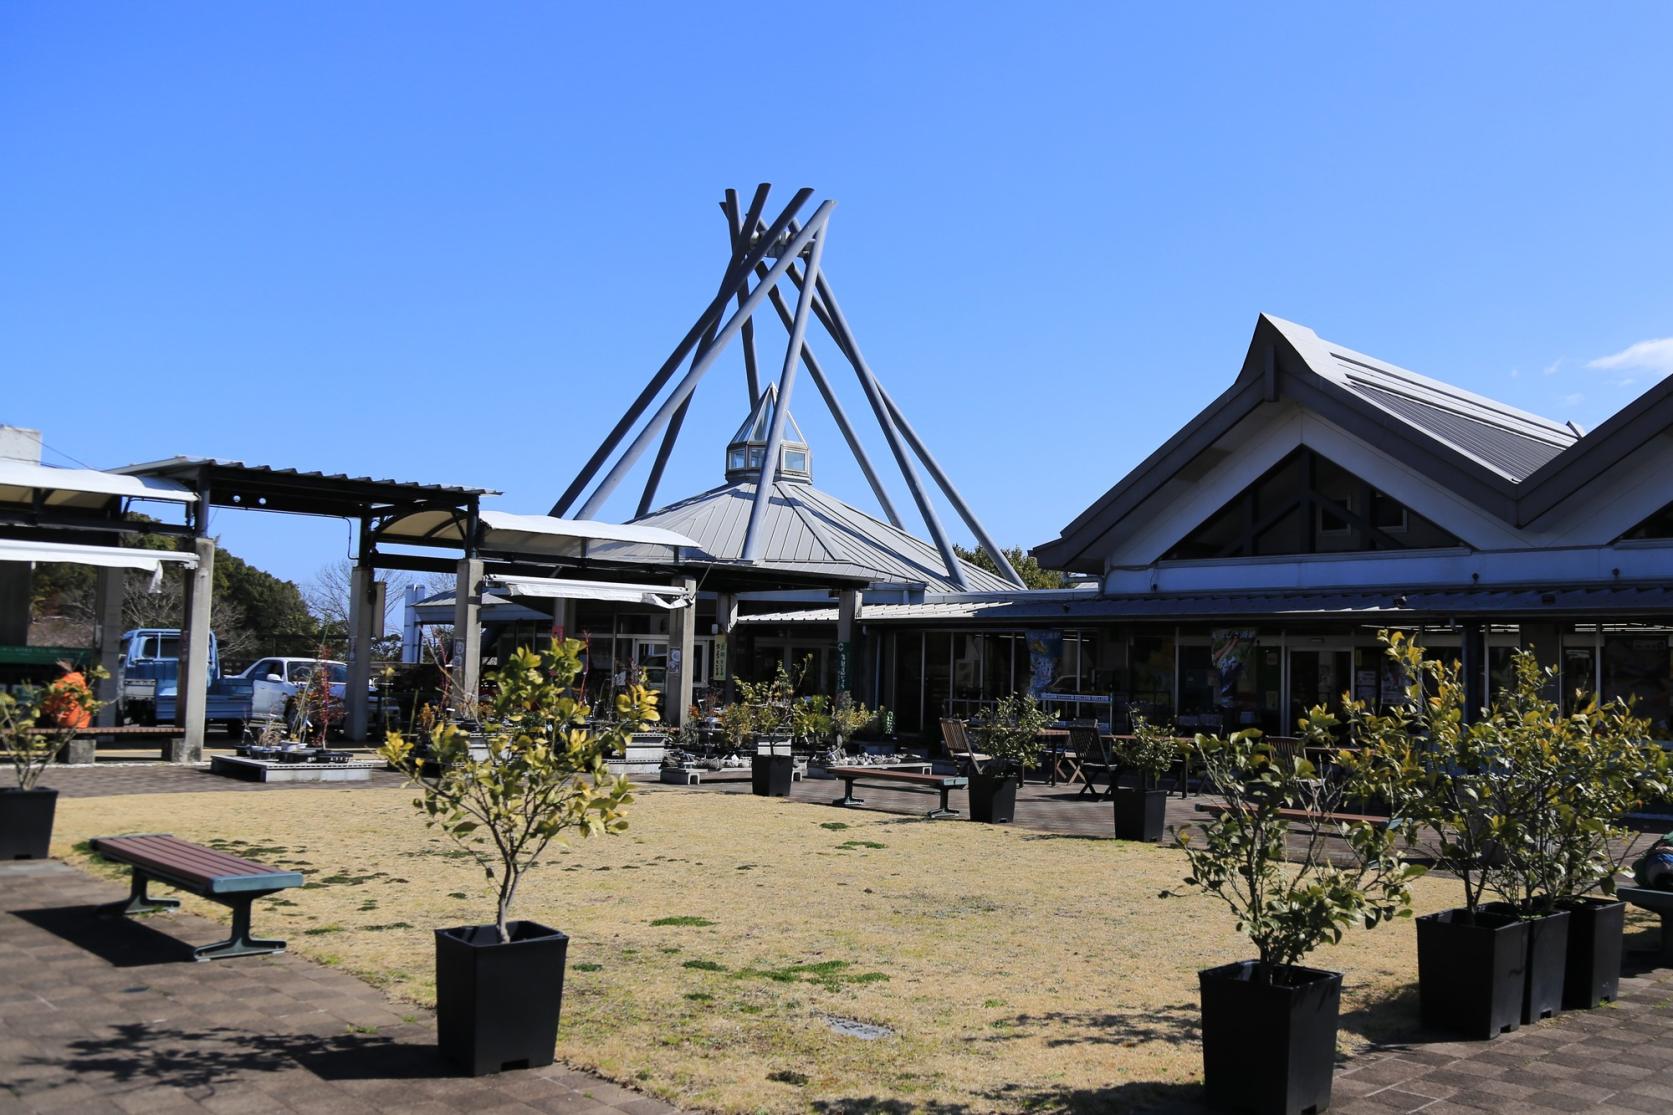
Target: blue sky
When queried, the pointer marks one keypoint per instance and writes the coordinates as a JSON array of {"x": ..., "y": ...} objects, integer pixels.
[{"x": 449, "y": 243}]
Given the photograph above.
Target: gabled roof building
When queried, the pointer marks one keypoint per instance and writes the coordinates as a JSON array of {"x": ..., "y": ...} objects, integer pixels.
[{"x": 1240, "y": 573}]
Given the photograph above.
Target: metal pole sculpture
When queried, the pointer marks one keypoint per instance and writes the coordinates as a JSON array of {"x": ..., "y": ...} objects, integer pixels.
[{"x": 768, "y": 254}]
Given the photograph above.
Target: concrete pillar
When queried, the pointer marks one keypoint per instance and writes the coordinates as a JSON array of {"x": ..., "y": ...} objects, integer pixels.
[
  {"x": 848, "y": 658},
  {"x": 108, "y": 592},
  {"x": 363, "y": 600},
  {"x": 193, "y": 693},
  {"x": 682, "y": 626},
  {"x": 726, "y": 647},
  {"x": 1546, "y": 641},
  {"x": 466, "y": 661}
]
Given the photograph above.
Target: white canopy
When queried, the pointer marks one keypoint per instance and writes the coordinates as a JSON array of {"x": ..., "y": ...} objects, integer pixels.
[
  {"x": 81, "y": 487},
  {"x": 529, "y": 534},
  {"x": 656, "y": 596},
  {"x": 111, "y": 557}
]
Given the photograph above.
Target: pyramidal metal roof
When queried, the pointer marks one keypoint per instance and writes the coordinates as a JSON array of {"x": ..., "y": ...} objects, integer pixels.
[{"x": 808, "y": 530}]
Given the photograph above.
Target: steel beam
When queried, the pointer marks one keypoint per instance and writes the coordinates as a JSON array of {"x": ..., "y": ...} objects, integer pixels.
[
  {"x": 715, "y": 308},
  {"x": 837, "y": 412},
  {"x": 946, "y": 486},
  {"x": 733, "y": 280},
  {"x": 844, "y": 337},
  {"x": 685, "y": 387},
  {"x": 750, "y": 222},
  {"x": 786, "y": 383}
]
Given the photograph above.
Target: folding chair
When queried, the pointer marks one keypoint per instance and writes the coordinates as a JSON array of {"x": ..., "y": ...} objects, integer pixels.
[
  {"x": 1092, "y": 754},
  {"x": 958, "y": 746}
]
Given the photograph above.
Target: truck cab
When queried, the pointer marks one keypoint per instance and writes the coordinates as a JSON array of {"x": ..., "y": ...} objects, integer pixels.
[{"x": 150, "y": 668}]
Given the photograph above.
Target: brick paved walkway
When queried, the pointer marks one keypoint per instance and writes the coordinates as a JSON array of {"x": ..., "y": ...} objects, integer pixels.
[{"x": 113, "y": 1016}]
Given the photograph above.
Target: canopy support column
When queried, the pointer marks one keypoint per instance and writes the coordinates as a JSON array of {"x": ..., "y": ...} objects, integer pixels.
[
  {"x": 726, "y": 617},
  {"x": 466, "y": 663},
  {"x": 362, "y": 601},
  {"x": 192, "y": 695},
  {"x": 682, "y": 627},
  {"x": 108, "y": 592},
  {"x": 848, "y": 612}
]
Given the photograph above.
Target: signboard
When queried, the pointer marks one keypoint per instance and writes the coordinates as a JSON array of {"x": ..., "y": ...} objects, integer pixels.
[
  {"x": 718, "y": 671},
  {"x": 844, "y": 653}
]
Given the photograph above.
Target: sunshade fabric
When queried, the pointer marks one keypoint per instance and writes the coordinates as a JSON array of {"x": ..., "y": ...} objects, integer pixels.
[
  {"x": 656, "y": 596},
  {"x": 81, "y": 487}
]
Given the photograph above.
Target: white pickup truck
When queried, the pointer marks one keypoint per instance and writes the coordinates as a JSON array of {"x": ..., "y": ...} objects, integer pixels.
[{"x": 291, "y": 676}]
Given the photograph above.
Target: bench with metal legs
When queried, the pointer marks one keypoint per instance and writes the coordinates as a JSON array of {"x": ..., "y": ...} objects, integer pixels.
[{"x": 943, "y": 783}]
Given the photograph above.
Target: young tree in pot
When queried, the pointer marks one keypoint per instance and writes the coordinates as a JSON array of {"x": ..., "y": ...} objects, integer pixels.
[
  {"x": 1150, "y": 752},
  {"x": 1011, "y": 738},
  {"x": 499, "y": 987},
  {"x": 1269, "y": 1024},
  {"x": 35, "y": 725},
  {"x": 771, "y": 717},
  {"x": 1471, "y": 960}
]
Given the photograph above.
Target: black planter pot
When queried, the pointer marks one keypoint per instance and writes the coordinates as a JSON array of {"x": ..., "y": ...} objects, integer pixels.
[
  {"x": 1593, "y": 972},
  {"x": 497, "y": 1003},
  {"x": 1269, "y": 1047},
  {"x": 993, "y": 797},
  {"x": 1471, "y": 972},
  {"x": 1139, "y": 813},
  {"x": 770, "y": 775},
  {"x": 1547, "y": 966},
  {"x": 26, "y": 823}
]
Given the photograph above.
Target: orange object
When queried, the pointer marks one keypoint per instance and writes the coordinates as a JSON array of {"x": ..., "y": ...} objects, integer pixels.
[{"x": 67, "y": 700}]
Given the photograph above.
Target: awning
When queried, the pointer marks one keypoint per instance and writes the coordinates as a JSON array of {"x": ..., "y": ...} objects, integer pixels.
[
  {"x": 554, "y": 588},
  {"x": 81, "y": 487},
  {"x": 538, "y": 535},
  {"x": 110, "y": 557}
]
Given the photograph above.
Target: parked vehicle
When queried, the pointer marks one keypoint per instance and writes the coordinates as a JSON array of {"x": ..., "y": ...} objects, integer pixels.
[
  {"x": 149, "y": 683},
  {"x": 280, "y": 680}
]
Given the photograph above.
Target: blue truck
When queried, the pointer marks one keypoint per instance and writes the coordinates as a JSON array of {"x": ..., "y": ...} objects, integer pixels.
[{"x": 150, "y": 684}]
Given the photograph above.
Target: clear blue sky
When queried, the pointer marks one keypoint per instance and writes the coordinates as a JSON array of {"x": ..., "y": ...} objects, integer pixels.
[{"x": 449, "y": 243}]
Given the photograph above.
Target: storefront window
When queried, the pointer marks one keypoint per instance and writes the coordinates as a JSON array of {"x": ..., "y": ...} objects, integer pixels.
[
  {"x": 1638, "y": 666},
  {"x": 967, "y": 667},
  {"x": 1150, "y": 683},
  {"x": 937, "y": 679}
]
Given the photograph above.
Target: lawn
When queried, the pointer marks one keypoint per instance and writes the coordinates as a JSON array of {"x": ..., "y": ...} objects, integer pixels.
[{"x": 722, "y": 946}]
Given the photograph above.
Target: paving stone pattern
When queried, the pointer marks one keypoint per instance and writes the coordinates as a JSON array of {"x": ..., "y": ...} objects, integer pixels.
[{"x": 112, "y": 1015}]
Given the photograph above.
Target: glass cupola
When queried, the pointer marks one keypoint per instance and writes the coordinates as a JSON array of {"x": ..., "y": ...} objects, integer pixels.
[{"x": 744, "y": 452}]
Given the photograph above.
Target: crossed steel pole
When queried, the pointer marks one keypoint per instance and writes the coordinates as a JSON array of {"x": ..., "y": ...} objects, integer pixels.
[{"x": 752, "y": 244}]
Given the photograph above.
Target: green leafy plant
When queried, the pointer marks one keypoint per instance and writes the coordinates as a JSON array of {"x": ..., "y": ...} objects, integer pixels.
[
  {"x": 36, "y": 723},
  {"x": 1287, "y": 908},
  {"x": 543, "y": 774},
  {"x": 849, "y": 717},
  {"x": 1151, "y": 750},
  {"x": 1525, "y": 802},
  {"x": 811, "y": 722},
  {"x": 1011, "y": 734}
]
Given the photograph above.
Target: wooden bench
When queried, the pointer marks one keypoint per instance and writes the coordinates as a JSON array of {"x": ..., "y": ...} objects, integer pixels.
[
  {"x": 82, "y": 748},
  {"x": 217, "y": 876},
  {"x": 1302, "y": 815},
  {"x": 942, "y": 782},
  {"x": 1661, "y": 901}
]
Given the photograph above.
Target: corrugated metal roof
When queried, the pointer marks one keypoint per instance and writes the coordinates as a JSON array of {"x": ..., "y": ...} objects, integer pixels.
[
  {"x": 1619, "y": 599},
  {"x": 175, "y": 465},
  {"x": 807, "y": 530},
  {"x": 1510, "y": 441}
]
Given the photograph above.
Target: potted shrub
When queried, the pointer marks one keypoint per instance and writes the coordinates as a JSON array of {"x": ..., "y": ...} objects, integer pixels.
[
  {"x": 1141, "y": 807},
  {"x": 1269, "y": 1024},
  {"x": 1615, "y": 768},
  {"x": 767, "y": 716},
  {"x": 1010, "y": 736},
  {"x": 35, "y": 725},
  {"x": 499, "y": 987},
  {"x": 1450, "y": 793},
  {"x": 1569, "y": 778}
]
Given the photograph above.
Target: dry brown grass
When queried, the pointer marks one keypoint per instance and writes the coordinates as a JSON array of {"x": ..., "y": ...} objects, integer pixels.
[{"x": 1016, "y": 970}]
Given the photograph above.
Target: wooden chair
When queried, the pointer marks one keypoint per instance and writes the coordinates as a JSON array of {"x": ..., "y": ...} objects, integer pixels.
[
  {"x": 1092, "y": 754},
  {"x": 958, "y": 746}
]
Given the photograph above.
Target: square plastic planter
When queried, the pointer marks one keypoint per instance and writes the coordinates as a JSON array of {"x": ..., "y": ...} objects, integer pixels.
[
  {"x": 770, "y": 775},
  {"x": 1269, "y": 1048},
  {"x": 1140, "y": 814},
  {"x": 993, "y": 797},
  {"x": 1593, "y": 975},
  {"x": 1471, "y": 972},
  {"x": 1547, "y": 967},
  {"x": 497, "y": 1003},
  {"x": 26, "y": 823}
]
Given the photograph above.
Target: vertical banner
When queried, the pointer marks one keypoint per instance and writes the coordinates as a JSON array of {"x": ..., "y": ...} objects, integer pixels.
[
  {"x": 1045, "y": 651},
  {"x": 718, "y": 670},
  {"x": 844, "y": 651},
  {"x": 1230, "y": 649}
]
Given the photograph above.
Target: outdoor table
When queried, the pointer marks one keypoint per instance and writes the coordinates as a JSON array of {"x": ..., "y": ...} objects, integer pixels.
[{"x": 1054, "y": 738}]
